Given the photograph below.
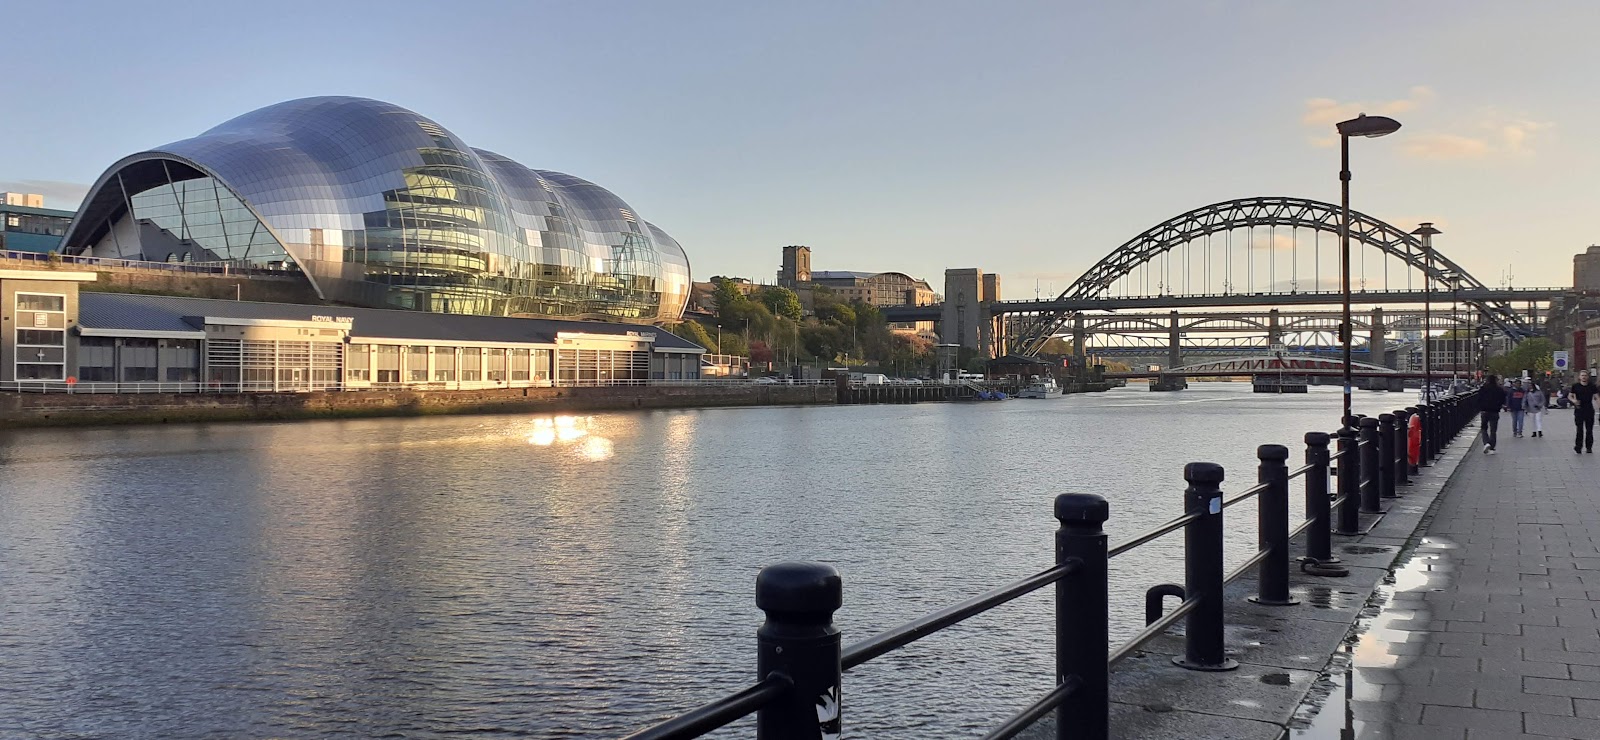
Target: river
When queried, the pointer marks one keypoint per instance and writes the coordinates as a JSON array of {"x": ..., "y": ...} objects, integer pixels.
[{"x": 572, "y": 576}]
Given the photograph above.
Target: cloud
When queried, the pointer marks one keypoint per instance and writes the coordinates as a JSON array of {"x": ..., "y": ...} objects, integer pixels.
[
  {"x": 1322, "y": 113},
  {"x": 57, "y": 193},
  {"x": 1514, "y": 134},
  {"x": 1444, "y": 146},
  {"x": 1267, "y": 241}
]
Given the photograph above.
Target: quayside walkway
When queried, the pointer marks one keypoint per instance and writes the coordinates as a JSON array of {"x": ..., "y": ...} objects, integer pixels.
[{"x": 1491, "y": 628}]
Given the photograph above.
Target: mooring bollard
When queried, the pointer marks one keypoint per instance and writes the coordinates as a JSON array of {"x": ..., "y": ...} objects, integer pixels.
[
  {"x": 1082, "y": 621},
  {"x": 1319, "y": 560},
  {"x": 1349, "y": 482},
  {"x": 1386, "y": 456},
  {"x": 1369, "y": 466},
  {"x": 1426, "y": 410},
  {"x": 798, "y": 640},
  {"x": 1272, "y": 526},
  {"x": 1202, "y": 568},
  {"x": 1402, "y": 467}
]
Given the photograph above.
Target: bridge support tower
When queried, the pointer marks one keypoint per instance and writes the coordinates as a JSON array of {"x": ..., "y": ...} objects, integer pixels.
[
  {"x": 1377, "y": 348},
  {"x": 1079, "y": 337},
  {"x": 1174, "y": 343},
  {"x": 1274, "y": 329}
]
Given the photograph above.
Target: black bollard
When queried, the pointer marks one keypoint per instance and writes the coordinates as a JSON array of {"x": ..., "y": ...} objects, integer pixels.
[
  {"x": 1349, "y": 483},
  {"x": 1319, "y": 536},
  {"x": 798, "y": 640},
  {"x": 1426, "y": 410},
  {"x": 1202, "y": 568},
  {"x": 1082, "y": 624},
  {"x": 1369, "y": 466},
  {"x": 1386, "y": 456},
  {"x": 1272, "y": 526},
  {"x": 1402, "y": 467}
]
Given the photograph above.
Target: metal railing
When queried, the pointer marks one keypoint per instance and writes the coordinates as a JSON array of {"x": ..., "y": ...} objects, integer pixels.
[
  {"x": 801, "y": 662},
  {"x": 204, "y": 268},
  {"x": 302, "y": 386}
]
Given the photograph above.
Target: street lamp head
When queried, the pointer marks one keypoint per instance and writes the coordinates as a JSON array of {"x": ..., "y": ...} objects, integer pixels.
[
  {"x": 1425, "y": 229},
  {"x": 1368, "y": 126}
]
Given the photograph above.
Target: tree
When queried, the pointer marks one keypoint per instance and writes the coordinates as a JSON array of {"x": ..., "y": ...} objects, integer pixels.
[
  {"x": 726, "y": 293},
  {"x": 782, "y": 302},
  {"x": 1533, "y": 355},
  {"x": 836, "y": 314},
  {"x": 823, "y": 342},
  {"x": 696, "y": 332}
]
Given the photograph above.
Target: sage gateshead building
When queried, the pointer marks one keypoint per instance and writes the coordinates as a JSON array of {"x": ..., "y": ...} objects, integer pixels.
[{"x": 380, "y": 207}]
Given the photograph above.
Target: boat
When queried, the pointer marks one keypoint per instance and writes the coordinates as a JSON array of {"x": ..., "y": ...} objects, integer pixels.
[{"x": 1041, "y": 388}]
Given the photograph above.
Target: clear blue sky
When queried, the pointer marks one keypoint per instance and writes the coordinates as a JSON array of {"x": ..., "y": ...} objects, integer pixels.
[{"x": 1025, "y": 138}]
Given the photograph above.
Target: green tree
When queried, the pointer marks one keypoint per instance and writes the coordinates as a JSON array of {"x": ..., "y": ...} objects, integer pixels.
[
  {"x": 1533, "y": 355},
  {"x": 726, "y": 293},
  {"x": 782, "y": 302},
  {"x": 836, "y": 314},
  {"x": 823, "y": 342},
  {"x": 696, "y": 332}
]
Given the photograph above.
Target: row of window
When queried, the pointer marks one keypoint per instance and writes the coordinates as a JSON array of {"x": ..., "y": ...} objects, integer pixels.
[{"x": 41, "y": 336}]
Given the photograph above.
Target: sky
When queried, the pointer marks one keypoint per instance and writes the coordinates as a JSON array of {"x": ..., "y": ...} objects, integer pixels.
[{"x": 1028, "y": 139}]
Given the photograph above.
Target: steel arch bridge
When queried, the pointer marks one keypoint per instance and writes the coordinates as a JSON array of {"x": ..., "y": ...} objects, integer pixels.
[{"x": 1030, "y": 334}]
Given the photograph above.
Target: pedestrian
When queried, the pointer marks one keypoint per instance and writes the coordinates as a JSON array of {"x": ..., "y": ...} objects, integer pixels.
[
  {"x": 1490, "y": 400},
  {"x": 1582, "y": 395},
  {"x": 1535, "y": 403},
  {"x": 1515, "y": 403}
]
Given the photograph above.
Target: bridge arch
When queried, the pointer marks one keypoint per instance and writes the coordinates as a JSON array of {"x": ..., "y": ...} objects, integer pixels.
[{"x": 1262, "y": 211}]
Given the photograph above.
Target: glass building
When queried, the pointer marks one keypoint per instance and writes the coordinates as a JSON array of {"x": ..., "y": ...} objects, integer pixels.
[{"x": 378, "y": 206}]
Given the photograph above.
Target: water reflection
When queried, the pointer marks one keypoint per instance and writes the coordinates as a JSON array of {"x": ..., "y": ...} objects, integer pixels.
[{"x": 573, "y": 575}]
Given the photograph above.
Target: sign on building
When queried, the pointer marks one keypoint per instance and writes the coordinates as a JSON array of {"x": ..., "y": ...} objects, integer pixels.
[{"x": 1560, "y": 359}]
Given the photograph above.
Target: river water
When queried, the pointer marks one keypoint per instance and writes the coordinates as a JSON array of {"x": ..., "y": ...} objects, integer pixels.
[{"x": 572, "y": 576}]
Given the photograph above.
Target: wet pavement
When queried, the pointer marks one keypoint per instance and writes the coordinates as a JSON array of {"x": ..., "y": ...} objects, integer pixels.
[{"x": 1487, "y": 628}]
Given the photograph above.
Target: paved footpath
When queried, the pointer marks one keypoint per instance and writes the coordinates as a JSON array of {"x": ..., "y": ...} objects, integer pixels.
[{"x": 1492, "y": 630}]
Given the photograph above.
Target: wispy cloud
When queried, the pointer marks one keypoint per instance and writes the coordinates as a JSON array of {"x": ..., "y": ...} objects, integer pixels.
[
  {"x": 1444, "y": 146},
  {"x": 1487, "y": 133},
  {"x": 57, "y": 193},
  {"x": 1322, "y": 113}
]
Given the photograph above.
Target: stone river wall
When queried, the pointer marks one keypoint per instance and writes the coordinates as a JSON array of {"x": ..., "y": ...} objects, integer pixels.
[{"x": 58, "y": 409}]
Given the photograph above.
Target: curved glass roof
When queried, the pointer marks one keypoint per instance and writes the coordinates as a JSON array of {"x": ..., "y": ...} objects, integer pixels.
[{"x": 380, "y": 206}]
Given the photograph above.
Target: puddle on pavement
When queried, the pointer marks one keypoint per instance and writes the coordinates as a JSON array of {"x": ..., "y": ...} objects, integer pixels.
[{"x": 1353, "y": 697}]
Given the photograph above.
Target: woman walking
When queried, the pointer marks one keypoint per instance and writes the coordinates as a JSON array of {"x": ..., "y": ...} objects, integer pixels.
[
  {"x": 1582, "y": 395},
  {"x": 1535, "y": 401}
]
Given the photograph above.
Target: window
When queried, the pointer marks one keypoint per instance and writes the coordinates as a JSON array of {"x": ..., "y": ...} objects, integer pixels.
[
  {"x": 41, "y": 337},
  {"x": 471, "y": 364},
  {"x": 388, "y": 376},
  {"x": 444, "y": 364},
  {"x": 417, "y": 364},
  {"x": 361, "y": 374},
  {"x": 139, "y": 361},
  {"x": 497, "y": 365},
  {"x": 519, "y": 364},
  {"x": 41, "y": 302}
]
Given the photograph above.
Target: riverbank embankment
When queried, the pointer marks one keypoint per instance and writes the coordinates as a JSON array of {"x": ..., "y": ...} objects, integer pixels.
[
  {"x": 19, "y": 410},
  {"x": 1286, "y": 654}
]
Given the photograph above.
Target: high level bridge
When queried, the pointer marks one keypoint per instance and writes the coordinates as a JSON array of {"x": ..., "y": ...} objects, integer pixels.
[{"x": 1278, "y": 258}]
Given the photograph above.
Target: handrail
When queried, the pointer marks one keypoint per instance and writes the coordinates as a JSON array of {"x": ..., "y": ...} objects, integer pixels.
[
  {"x": 1245, "y": 567},
  {"x": 1024, "y": 719},
  {"x": 1157, "y": 533},
  {"x": 708, "y": 717},
  {"x": 917, "y": 629},
  {"x": 1150, "y": 631},
  {"x": 1245, "y": 494}
]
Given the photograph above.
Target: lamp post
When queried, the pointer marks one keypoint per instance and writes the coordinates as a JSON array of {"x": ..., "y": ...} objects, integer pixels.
[
  {"x": 1369, "y": 127},
  {"x": 1426, "y": 231}
]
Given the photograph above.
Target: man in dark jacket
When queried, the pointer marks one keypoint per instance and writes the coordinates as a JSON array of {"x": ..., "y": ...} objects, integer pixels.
[
  {"x": 1582, "y": 395},
  {"x": 1491, "y": 398}
]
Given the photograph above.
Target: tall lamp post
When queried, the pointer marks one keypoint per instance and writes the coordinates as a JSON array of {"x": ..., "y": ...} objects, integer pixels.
[
  {"x": 1426, "y": 231},
  {"x": 1369, "y": 127}
]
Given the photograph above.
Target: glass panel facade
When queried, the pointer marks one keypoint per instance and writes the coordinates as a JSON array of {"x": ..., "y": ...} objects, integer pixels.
[
  {"x": 380, "y": 206},
  {"x": 41, "y": 336}
]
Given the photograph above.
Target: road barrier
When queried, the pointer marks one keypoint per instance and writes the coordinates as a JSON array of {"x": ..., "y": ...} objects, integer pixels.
[{"x": 801, "y": 662}]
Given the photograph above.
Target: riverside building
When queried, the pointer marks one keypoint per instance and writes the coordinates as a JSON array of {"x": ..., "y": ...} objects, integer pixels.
[
  {"x": 56, "y": 336},
  {"x": 374, "y": 205}
]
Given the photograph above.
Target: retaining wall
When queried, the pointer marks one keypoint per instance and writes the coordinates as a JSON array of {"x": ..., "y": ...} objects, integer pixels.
[{"x": 58, "y": 409}]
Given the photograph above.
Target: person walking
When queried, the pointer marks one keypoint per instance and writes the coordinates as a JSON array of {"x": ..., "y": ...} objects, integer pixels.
[
  {"x": 1515, "y": 398},
  {"x": 1582, "y": 395},
  {"x": 1491, "y": 398},
  {"x": 1535, "y": 403}
]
